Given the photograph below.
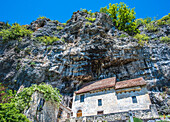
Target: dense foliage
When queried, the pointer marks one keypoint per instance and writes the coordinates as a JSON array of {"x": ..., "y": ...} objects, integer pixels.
[
  {"x": 48, "y": 40},
  {"x": 151, "y": 27},
  {"x": 122, "y": 17},
  {"x": 11, "y": 111},
  {"x": 23, "y": 98},
  {"x": 8, "y": 109},
  {"x": 5, "y": 94},
  {"x": 136, "y": 120},
  {"x": 164, "y": 20},
  {"x": 16, "y": 32},
  {"x": 5, "y": 25}
]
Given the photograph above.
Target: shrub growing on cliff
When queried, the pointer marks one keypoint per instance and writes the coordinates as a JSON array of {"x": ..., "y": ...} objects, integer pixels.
[
  {"x": 164, "y": 20},
  {"x": 143, "y": 21},
  {"x": 88, "y": 12},
  {"x": 16, "y": 32},
  {"x": 142, "y": 39},
  {"x": 151, "y": 27},
  {"x": 48, "y": 40},
  {"x": 41, "y": 17},
  {"x": 59, "y": 28},
  {"x": 91, "y": 19},
  {"x": 23, "y": 98},
  {"x": 165, "y": 39},
  {"x": 122, "y": 17}
]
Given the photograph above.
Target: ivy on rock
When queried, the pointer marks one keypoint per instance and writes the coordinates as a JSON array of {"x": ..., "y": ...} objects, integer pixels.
[{"x": 49, "y": 93}]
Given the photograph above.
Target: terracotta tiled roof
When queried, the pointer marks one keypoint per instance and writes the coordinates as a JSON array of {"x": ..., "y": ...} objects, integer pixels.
[
  {"x": 130, "y": 83},
  {"x": 104, "y": 83}
]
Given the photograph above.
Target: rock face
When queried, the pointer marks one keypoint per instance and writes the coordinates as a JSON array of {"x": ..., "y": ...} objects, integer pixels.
[
  {"x": 41, "y": 110},
  {"x": 92, "y": 50}
]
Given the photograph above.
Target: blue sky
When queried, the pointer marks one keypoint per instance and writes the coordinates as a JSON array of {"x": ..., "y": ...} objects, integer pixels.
[{"x": 25, "y": 11}]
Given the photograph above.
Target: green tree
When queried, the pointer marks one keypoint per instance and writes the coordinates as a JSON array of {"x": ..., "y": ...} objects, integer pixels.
[
  {"x": 8, "y": 109},
  {"x": 123, "y": 17},
  {"x": 9, "y": 113}
]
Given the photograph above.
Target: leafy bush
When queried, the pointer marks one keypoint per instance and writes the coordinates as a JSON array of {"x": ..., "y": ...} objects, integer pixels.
[
  {"x": 136, "y": 120},
  {"x": 48, "y": 40},
  {"x": 60, "y": 27},
  {"x": 16, "y": 32},
  {"x": 41, "y": 17},
  {"x": 9, "y": 113},
  {"x": 8, "y": 110},
  {"x": 23, "y": 98},
  {"x": 90, "y": 19},
  {"x": 165, "y": 39},
  {"x": 5, "y": 25},
  {"x": 122, "y": 17},
  {"x": 88, "y": 23},
  {"x": 123, "y": 35},
  {"x": 143, "y": 21},
  {"x": 32, "y": 63},
  {"x": 64, "y": 24},
  {"x": 5, "y": 95},
  {"x": 164, "y": 20},
  {"x": 151, "y": 27},
  {"x": 142, "y": 38},
  {"x": 88, "y": 12}
]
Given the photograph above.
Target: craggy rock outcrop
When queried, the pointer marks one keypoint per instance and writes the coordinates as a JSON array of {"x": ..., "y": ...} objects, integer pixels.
[
  {"x": 92, "y": 50},
  {"x": 41, "y": 110}
]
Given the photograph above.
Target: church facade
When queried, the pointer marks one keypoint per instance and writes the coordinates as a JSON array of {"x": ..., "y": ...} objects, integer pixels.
[{"x": 107, "y": 96}]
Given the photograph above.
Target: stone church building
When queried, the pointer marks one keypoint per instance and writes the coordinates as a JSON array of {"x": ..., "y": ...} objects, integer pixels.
[{"x": 109, "y": 97}]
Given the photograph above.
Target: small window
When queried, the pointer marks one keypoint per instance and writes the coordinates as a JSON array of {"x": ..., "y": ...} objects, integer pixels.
[
  {"x": 134, "y": 100},
  {"x": 60, "y": 113},
  {"x": 81, "y": 98},
  {"x": 99, "y": 112},
  {"x": 99, "y": 102}
]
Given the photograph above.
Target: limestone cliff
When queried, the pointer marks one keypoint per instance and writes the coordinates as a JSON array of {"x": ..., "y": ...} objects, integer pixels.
[{"x": 91, "y": 51}]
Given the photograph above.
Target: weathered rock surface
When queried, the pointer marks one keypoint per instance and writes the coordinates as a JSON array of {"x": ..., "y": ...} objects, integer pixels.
[
  {"x": 41, "y": 110},
  {"x": 91, "y": 51}
]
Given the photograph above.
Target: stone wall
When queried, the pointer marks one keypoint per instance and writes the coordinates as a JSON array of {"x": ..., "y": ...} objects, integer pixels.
[
  {"x": 111, "y": 102},
  {"x": 142, "y": 114}
]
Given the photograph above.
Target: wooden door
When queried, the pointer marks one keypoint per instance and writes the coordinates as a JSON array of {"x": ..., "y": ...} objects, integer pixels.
[{"x": 79, "y": 113}]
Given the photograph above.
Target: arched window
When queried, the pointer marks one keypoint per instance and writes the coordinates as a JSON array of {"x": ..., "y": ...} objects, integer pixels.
[{"x": 79, "y": 113}]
